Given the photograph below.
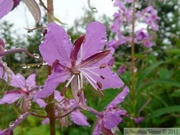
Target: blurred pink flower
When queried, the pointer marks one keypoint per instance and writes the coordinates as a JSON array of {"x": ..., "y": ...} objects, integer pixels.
[
  {"x": 65, "y": 106},
  {"x": 143, "y": 37},
  {"x": 23, "y": 88},
  {"x": 121, "y": 69},
  {"x": 110, "y": 118}
]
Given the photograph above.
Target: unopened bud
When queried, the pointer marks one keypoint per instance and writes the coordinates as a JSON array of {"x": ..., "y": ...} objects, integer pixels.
[
  {"x": 8, "y": 132},
  {"x": 44, "y": 32},
  {"x": 16, "y": 3}
]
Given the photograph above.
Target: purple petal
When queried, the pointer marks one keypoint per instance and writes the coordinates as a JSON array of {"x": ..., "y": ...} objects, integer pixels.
[
  {"x": 138, "y": 120},
  {"x": 18, "y": 81},
  {"x": 11, "y": 97},
  {"x": 111, "y": 80},
  {"x": 119, "y": 98},
  {"x": 45, "y": 121},
  {"x": 122, "y": 69},
  {"x": 116, "y": 25},
  {"x": 79, "y": 118},
  {"x": 94, "y": 59},
  {"x": 40, "y": 102},
  {"x": 58, "y": 96},
  {"x": 30, "y": 81},
  {"x": 106, "y": 59},
  {"x": 95, "y": 39},
  {"x": 56, "y": 46},
  {"x": 5, "y": 6},
  {"x": 51, "y": 83},
  {"x": 111, "y": 120},
  {"x": 98, "y": 128},
  {"x": 77, "y": 46}
]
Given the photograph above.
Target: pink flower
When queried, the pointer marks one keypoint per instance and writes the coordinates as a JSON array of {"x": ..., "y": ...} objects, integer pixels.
[
  {"x": 64, "y": 106},
  {"x": 110, "y": 118},
  {"x": 138, "y": 120},
  {"x": 23, "y": 88},
  {"x": 121, "y": 69},
  {"x": 86, "y": 59},
  {"x": 150, "y": 17},
  {"x": 143, "y": 37}
]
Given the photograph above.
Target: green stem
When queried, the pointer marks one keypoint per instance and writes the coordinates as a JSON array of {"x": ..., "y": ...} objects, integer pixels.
[
  {"x": 133, "y": 58},
  {"x": 51, "y": 108},
  {"x": 50, "y": 13}
]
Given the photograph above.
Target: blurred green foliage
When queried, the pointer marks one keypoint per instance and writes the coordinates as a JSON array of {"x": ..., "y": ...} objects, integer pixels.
[{"x": 157, "y": 77}]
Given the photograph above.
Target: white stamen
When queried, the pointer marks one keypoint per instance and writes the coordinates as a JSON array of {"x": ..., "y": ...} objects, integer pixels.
[
  {"x": 93, "y": 72},
  {"x": 90, "y": 79},
  {"x": 69, "y": 81},
  {"x": 79, "y": 83},
  {"x": 81, "y": 78}
]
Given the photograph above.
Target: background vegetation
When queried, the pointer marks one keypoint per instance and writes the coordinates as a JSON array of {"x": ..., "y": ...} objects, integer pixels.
[{"x": 157, "y": 78}]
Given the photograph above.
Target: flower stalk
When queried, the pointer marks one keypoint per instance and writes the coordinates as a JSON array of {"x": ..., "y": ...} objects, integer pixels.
[
  {"x": 50, "y": 109},
  {"x": 133, "y": 57}
]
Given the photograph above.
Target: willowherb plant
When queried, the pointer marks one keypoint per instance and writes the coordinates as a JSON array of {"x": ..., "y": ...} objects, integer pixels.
[
  {"x": 145, "y": 20},
  {"x": 72, "y": 64}
]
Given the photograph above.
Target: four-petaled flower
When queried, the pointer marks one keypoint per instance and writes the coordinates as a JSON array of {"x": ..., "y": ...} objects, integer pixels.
[
  {"x": 86, "y": 59},
  {"x": 110, "y": 118},
  {"x": 25, "y": 89}
]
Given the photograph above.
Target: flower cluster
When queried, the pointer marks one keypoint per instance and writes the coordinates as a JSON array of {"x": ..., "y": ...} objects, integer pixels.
[{"x": 147, "y": 18}]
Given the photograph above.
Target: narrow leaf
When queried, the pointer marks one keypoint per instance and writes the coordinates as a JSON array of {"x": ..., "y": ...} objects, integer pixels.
[
  {"x": 166, "y": 110},
  {"x": 57, "y": 20},
  {"x": 161, "y": 81},
  {"x": 34, "y": 9},
  {"x": 145, "y": 73}
]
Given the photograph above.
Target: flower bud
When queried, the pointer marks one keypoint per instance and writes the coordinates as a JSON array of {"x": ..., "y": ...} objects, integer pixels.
[
  {"x": 8, "y": 132},
  {"x": 16, "y": 3}
]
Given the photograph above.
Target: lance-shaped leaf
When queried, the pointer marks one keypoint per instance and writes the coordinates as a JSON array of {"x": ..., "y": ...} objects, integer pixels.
[{"x": 34, "y": 9}]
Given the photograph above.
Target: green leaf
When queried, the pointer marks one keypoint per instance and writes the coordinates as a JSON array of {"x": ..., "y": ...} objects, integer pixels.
[
  {"x": 173, "y": 51},
  {"x": 166, "y": 110},
  {"x": 57, "y": 20},
  {"x": 176, "y": 93},
  {"x": 161, "y": 81},
  {"x": 145, "y": 73}
]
